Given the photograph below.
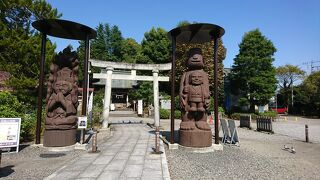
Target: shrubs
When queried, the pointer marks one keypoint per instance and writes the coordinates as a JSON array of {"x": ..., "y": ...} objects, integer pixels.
[
  {"x": 164, "y": 114},
  {"x": 10, "y": 107},
  {"x": 28, "y": 127},
  {"x": 97, "y": 115},
  {"x": 236, "y": 116},
  {"x": 272, "y": 114},
  {"x": 177, "y": 114}
]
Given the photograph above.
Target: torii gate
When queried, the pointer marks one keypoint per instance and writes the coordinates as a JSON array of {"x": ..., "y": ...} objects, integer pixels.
[{"x": 110, "y": 66}]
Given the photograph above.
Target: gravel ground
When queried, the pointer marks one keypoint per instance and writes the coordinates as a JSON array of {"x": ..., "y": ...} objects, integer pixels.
[
  {"x": 295, "y": 127},
  {"x": 34, "y": 162},
  {"x": 260, "y": 156}
]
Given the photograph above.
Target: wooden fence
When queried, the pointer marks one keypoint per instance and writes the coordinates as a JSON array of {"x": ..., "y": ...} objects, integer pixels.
[
  {"x": 264, "y": 124},
  {"x": 245, "y": 121}
]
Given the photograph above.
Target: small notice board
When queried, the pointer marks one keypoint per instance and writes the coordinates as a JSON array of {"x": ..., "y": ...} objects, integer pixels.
[
  {"x": 82, "y": 122},
  {"x": 140, "y": 107},
  {"x": 10, "y": 133}
]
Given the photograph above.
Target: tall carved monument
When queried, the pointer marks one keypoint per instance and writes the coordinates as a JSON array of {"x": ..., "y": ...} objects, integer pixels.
[
  {"x": 194, "y": 100},
  {"x": 62, "y": 100}
]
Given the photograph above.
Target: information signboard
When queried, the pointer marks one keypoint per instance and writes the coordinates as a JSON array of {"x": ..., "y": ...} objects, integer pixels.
[
  {"x": 165, "y": 104},
  {"x": 10, "y": 132}
]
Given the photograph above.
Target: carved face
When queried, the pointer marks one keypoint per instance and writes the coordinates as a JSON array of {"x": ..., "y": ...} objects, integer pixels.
[
  {"x": 62, "y": 86},
  {"x": 195, "y": 61},
  {"x": 196, "y": 78}
]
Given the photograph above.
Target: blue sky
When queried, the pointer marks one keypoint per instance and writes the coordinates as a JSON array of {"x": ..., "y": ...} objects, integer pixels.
[{"x": 292, "y": 25}]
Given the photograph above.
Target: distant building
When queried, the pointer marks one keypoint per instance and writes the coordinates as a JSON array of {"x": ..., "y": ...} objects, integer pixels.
[
  {"x": 4, "y": 76},
  {"x": 120, "y": 89}
]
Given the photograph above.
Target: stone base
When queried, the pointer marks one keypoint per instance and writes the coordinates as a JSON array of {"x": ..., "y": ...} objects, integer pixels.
[
  {"x": 195, "y": 138},
  {"x": 60, "y": 149},
  {"x": 199, "y": 150},
  {"x": 173, "y": 146},
  {"x": 59, "y": 137}
]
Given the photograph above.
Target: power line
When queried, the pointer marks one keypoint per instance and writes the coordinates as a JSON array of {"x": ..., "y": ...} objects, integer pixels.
[{"x": 314, "y": 65}]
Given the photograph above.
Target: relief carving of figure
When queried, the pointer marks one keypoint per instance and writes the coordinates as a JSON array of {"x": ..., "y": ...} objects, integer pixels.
[
  {"x": 62, "y": 95},
  {"x": 194, "y": 93}
]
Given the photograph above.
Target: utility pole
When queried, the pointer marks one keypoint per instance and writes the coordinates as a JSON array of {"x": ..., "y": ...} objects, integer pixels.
[
  {"x": 314, "y": 65},
  {"x": 292, "y": 95}
]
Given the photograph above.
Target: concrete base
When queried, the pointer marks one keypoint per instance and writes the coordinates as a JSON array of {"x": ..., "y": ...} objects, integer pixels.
[
  {"x": 195, "y": 138},
  {"x": 217, "y": 147},
  {"x": 60, "y": 149},
  {"x": 199, "y": 150},
  {"x": 173, "y": 146},
  {"x": 37, "y": 145}
]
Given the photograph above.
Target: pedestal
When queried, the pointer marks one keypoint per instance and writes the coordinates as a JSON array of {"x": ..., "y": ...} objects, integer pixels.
[
  {"x": 195, "y": 138},
  {"x": 59, "y": 137}
]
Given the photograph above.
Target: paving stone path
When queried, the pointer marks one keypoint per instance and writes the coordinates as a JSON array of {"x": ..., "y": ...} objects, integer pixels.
[{"x": 128, "y": 154}]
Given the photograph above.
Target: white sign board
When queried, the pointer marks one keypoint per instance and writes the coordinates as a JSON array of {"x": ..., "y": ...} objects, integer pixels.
[
  {"x": 165, "y": 104},
  {"x": 140, "y": 107},
  {"x": 82, "y": 122},
  {"x": 10, "y": 132}
]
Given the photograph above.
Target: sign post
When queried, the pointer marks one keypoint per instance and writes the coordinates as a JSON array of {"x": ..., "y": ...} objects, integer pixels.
[{"x": 82, "y": 124}]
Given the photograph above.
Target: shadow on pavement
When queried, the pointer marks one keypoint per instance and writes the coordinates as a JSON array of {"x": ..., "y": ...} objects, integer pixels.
[
  {"x": 167, "y": 135},
  {"x": 6, "y": 171}
]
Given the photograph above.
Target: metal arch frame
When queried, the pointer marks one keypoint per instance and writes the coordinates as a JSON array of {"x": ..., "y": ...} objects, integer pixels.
[
  {"x": 67, "y": 30},
  {"x": 196, "y": 33}
]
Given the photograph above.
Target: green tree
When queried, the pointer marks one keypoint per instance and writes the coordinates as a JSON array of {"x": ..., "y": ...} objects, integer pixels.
[
  {"x": 253, "y": 75},
  {"x": 156, "y": 46},
  {"x": 131, "y": 50},
  {"x": 287, "y": 75},
  {"x": 144, "y": 92},
  {"x": 108, "y": 44},
  {"x": 20, "y": 45},
  {"x": 307, "y": 96}
]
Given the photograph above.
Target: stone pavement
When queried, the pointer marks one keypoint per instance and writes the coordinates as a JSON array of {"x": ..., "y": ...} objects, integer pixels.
[{"x": 128, "y": 154}]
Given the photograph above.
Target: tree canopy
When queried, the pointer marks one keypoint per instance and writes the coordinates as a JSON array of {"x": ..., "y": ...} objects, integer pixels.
[
  {"x": 156, "y": 46},
  {"x": 253, "y": 75},
  {"x": 287, "y": 75},
  {"x": 108, "y": 44},
  {"x": 307, "y": 96},
  {"x": 20, "y": 44}
]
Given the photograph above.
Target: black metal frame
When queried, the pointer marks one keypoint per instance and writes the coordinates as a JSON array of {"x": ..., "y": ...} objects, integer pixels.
[
  {"x": 196, "y": 33},
  {"x": 68, "y": 30}
]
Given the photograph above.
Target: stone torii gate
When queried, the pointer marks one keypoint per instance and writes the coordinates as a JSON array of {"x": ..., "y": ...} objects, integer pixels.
[{"x": 110, "y": 66}]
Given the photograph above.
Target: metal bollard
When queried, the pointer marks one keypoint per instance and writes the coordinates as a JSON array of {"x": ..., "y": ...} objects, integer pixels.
[
  {"x": 94, "y": 142},
  {"x": 307, "y": 132},
  {"x": 157, "y": 143},
  {"x": 157, "y": 140},
  {"x": 0, "y": 156}
]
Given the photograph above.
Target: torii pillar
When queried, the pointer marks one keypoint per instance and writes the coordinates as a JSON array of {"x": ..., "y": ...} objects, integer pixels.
[{"x": 107, "y": 98}]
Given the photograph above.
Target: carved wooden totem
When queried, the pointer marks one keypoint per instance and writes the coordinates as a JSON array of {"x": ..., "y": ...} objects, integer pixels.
[
  {"x": 194, "y": 100},
  {"x": 62, "y": 100}
]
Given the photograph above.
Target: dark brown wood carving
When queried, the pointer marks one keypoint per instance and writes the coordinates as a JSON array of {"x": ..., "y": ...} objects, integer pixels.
[
  {"x": 195, "y": 100},
  {"x": 62, "y": 100}
]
